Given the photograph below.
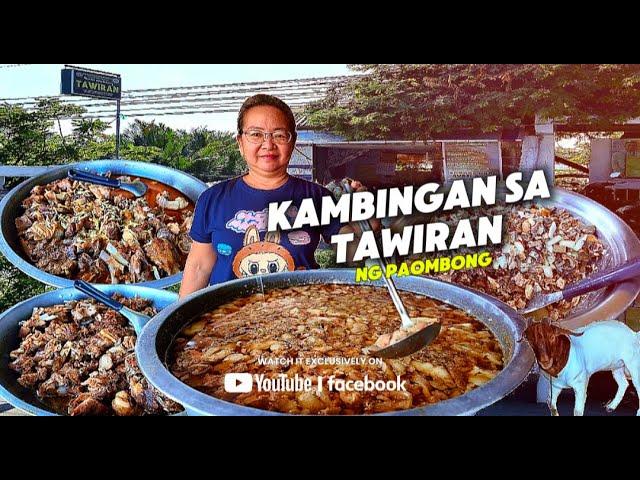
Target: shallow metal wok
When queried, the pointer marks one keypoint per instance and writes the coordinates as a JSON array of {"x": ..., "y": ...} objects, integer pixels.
[
  {"x": 11, "y": 208},
  {"x": 21, "y": 397},
  {"x": 621, "y": 245},
  {"x": 157, "y": 337}
]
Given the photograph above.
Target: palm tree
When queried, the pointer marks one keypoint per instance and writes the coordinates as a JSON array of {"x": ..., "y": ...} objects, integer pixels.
[{"x": 148, "y": 134}]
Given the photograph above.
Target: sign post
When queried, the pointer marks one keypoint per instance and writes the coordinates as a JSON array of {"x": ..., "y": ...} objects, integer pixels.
[
  {"x": 118, "y": 128},
  {"x": 93, "y": 83}
]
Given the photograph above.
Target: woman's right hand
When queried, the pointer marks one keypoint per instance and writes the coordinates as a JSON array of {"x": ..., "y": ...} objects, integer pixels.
[{"x": 197, "y": 270}]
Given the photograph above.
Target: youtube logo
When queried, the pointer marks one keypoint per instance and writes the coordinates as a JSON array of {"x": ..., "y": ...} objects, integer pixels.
[{"x": 238, "y": 382}]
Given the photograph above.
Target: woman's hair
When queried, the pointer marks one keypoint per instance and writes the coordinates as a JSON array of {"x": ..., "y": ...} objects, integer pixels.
[{"x": 269, "y": 100}]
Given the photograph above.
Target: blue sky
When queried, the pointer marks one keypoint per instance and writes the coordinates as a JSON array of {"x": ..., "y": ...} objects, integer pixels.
[{"x": 44, "y": 79}]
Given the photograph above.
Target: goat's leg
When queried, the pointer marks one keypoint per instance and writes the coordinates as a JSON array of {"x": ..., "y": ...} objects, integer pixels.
[
  {"x": 623, "y": 383},
  {"x": 635, "y": 379},
  {"x": 580, "y": 390},
  {"x": 542, "y": 389},
  {"x": 553, "y": 399}
]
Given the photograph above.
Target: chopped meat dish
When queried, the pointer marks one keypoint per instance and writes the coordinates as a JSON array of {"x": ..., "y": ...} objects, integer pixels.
[
  {"x": 78, "y": 230},
  {"x": 543, "y": 250},
  {"x": 79, "y": 358},
  {"x": 284, "y": 332}
]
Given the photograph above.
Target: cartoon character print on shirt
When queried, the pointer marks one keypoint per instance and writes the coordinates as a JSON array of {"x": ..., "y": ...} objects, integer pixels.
[
  {"x": 260, "y": 257},
  {"x": 297, "y": 237},
  {"x": 244, "y": 219}
]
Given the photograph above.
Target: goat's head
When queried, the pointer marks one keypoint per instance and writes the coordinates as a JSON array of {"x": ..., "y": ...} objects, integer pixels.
[{"x": 550, "y": 344}]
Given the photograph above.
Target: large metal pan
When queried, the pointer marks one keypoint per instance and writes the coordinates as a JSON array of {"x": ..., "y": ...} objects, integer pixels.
[
  {"x": 621, "y": 244},
  {"x": 11, "y": 208},
  {"x": 10, "y": 389},
  {"x": 157, "y": 336}
]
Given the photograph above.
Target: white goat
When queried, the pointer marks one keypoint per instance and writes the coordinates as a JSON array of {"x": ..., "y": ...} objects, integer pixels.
[{"x": 568, "y": 359}]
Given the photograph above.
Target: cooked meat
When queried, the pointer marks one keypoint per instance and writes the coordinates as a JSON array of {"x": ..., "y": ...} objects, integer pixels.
[
  {"x": 140, "y": 269},
  {"x": 123, "y": 406},
  {"x": 184, "y": 243},
  {"x": 23, "y": 223},
  {"x": 52, "y": 258},
  {"x": 543, "y": 250},
  {"x": 79, "y": 358},
  {"x": 67, "y": 225},
  {"x": 161, "y": 252},
  {"x": 284, "y": 332},
  {"x": 178, "y": 204},
  {"x": 166, "y": 234},
  {"x": 85, "y": 404},
  {"x": 112, "y": 231}
]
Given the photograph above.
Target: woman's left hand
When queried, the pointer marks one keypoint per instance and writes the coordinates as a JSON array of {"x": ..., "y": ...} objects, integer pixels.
[{"x": 358, "y": 186}]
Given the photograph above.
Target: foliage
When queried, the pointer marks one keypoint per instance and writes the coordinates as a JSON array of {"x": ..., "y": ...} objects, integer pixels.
[
  {"x": 579, "y": 153},
  {"x": 326, "y": 258},
  {"x": 35, "y": 137},
  {"x": 16, "y": 286},
  {"x": 423, "y": 100},
  {"x": 30, "y": 137}
]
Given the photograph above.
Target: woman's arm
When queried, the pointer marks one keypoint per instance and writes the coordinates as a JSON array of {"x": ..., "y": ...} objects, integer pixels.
[{"x": 197, "y": 270}]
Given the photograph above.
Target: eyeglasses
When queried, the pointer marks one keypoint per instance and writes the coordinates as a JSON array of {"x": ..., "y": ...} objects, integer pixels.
[{"x": 279, "y": 137}]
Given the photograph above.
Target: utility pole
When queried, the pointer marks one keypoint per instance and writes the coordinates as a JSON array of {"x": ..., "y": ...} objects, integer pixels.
[{"x": 118, "y": 128}]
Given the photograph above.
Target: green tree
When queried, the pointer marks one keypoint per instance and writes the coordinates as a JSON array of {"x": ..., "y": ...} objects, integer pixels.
[
  {"x": 422, "y": 100},
  {"x": 87, "y": 131},
  {"x": 207, "y": 154},
  {"x": 219, "y": 158},
  {"x": 35, "y": 137},
  {"x": 148, "y": 134},
  {"x": 15, "y": 286},
  {"x": 107, "y": 147}
]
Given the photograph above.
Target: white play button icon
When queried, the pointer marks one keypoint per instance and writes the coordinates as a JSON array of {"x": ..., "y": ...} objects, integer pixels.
[{"x": 238, "y": 382}]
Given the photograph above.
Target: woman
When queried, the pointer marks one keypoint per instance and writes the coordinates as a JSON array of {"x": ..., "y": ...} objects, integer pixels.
[{"x": 229, "y": 228}]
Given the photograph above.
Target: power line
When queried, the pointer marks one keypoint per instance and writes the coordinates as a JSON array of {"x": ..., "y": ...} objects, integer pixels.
[
  {"x": 146, "y": 113},
  {"x": 233, "y": 104},
  {"x": 175, "y": 104},
  {"x": 200, "y": 103},
  {"x": 248, "y": 85},
  {"x": 171, "y": 97},
  {"x": 14, "y": 65},
  {"x": 218, "y": 98},
  {"x": 126, "y": 95}
]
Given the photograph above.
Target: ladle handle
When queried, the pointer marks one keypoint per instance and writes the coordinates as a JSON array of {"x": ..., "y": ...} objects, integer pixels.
[
  {"x": 75, "y": 174},
  {"x": 96, "y": 294},
  {"x": 628, "y": 270},
  {"x": 365, "y": 226}
]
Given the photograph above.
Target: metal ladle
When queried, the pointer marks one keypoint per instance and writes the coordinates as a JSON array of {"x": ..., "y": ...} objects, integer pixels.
[
  {"x": 137, "y": 320},
  {"x": 414, "y": 342},
  {"x": 137, "y": 188},
  {"x": 628, "y": 270}
]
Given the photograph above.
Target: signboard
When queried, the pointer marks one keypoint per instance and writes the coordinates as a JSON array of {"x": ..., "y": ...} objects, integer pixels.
[
  {"x": 625, "y": 157},
  {"x": 471, "y": 159},
  {"x": 306, "y": 173},
  {"x": 633, "y": 158},
  {"x": 89, "y": 83}
]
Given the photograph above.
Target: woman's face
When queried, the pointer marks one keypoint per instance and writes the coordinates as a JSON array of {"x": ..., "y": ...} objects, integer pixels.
[{"x": 266, "y": 158}]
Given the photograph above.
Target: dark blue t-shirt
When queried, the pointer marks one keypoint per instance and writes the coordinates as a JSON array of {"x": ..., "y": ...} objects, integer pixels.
[{"x": 232, "y": 216}]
